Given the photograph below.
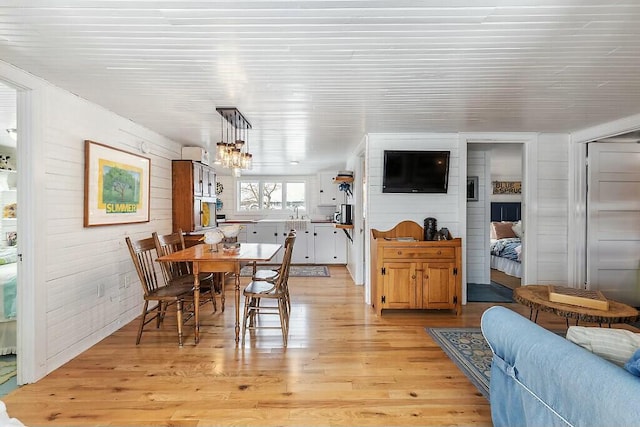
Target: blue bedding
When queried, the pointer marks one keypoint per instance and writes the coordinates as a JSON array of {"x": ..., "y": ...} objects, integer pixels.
[{"x": 506, "y": 248}]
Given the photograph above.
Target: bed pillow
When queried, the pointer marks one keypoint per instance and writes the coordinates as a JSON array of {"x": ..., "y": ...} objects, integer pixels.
[
  {"x": 614, "y": 345},
  {"x": 517, "y": 229},
  {"x": 8, "y": 255},
  {"x": 502, "y": 230}
]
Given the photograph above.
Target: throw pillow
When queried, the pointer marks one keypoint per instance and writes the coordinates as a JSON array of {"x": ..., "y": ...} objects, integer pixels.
[
  {"x": 517, "y": 229},
  {"x": 503, "y": 230},
  {"x": 633, "y": 365},
  {"x": 614, "y": 345}
]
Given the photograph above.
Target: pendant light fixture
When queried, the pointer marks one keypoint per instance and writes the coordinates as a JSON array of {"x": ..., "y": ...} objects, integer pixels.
[{"x": 233, "y": 152}]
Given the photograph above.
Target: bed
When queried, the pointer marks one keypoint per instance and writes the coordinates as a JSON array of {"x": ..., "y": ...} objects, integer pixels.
[
  {"x": 506, "y": 233},
  {"x": 8, "y": 288}
]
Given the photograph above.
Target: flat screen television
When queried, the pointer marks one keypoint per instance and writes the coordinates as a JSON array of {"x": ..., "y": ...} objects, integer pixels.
[{"x": 415, "y": 171}]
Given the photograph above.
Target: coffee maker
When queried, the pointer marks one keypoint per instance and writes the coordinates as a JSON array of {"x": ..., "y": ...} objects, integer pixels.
[{"x": 346, "y": 214}]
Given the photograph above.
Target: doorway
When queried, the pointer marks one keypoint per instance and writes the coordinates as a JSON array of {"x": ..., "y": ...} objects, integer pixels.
[
  {"x": 494, "y": 262},
  {"x": 8, "y": 238}
]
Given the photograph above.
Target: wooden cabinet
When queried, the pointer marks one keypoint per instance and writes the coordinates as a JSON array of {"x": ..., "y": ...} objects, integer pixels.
[
  {"x": 410, "y": 273},
  {"x": 193, "y": 196}
]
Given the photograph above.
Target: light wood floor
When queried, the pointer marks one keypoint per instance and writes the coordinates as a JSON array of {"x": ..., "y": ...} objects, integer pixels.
[{"x": 343, "y": 366}]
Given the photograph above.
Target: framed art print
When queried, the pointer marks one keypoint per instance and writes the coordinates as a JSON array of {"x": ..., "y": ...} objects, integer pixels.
[{"x": 116, "y": 186}]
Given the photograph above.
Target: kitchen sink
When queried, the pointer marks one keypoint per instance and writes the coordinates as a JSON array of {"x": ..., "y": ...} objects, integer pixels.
[{"x": 297, "y": 224}]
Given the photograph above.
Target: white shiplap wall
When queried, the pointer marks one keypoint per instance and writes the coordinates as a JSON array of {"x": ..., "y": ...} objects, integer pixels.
[
  {"x": 386, "y": 210},
  {"x": 552, "y": 208},
  {"x": 80, "y": 259},
  {"x": 478, "y": 164}
]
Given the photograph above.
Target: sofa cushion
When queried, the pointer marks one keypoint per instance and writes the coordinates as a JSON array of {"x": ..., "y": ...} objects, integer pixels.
[{"x": 614, "y": 345}]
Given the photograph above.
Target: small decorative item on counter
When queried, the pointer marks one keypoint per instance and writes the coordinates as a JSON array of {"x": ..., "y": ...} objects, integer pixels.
[
  {"x": 430, "y": 228},
  {"x": 443, "y": 234}
]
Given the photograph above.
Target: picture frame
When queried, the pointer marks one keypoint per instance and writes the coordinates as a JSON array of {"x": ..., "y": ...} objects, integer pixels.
[
  {"x": 472, "y": 189},
  {"x": 116, "y": 186},
  {"x": 507, "y": 187}
]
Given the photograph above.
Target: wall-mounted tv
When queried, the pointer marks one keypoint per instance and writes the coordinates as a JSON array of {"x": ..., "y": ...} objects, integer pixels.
[{"x": 415, "y": 171}]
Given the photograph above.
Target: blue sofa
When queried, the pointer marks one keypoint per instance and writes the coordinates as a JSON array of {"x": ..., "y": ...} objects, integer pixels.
[{"x": 539, "y": 378}]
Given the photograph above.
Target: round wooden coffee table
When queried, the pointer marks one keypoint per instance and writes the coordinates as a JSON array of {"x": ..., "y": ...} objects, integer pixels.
[{"x": 536, "y": 297}]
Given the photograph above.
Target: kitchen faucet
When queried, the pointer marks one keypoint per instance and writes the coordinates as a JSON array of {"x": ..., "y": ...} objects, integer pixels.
[{"x": 296, "y": 210}]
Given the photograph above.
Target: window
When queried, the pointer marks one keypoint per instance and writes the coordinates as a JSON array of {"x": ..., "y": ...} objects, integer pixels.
[{"x": 272, "y": 196}]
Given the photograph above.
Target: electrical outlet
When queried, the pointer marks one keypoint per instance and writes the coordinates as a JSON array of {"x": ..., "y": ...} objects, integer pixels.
[
  {"x": 126, "y": 281},
  {"x": 100, "y": 290}
]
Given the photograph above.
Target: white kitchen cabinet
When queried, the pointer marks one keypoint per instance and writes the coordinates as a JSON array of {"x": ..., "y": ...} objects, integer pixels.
[
  {"x": 319, "y": 244},
  {"x": 330, "y": 245},
  {"x": 303, "y": 251},
  {"x": 262, "y": 232},
  {"x": 267, "y": 232},
  {"x": 328, "y": 190}
]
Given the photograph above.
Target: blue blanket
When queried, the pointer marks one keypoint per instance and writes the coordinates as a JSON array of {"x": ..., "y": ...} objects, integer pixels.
[{"x": 506, "y": 248}]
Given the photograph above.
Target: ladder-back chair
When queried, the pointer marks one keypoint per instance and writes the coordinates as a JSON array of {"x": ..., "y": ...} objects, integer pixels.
[
  {"x": 277, "y": 290},
  {"x": 180, "y": 273},
  {"x": 155, "y": 290}
]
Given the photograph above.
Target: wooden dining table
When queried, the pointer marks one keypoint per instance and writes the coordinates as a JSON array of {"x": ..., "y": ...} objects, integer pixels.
[{"x": 213, "y": 259}]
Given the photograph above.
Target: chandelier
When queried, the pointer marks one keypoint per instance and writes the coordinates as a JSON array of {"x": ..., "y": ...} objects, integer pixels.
[{"x": 232, "y": 152}]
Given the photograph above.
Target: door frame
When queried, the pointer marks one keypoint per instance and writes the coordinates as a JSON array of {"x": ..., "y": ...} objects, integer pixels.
[
  {"x": 577, "y": 227},
  {"x": 529, "y": 216},
  {"x": 31, "y": 227}
]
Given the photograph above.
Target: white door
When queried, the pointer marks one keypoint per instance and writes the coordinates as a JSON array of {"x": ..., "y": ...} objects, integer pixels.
[{"x": 613, "y": 221}]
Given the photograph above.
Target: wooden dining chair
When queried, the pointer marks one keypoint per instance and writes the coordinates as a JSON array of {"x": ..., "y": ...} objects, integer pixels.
[
  {"x": 270, "y": 275},
  {"x": 180, "y": 273},
  {"x": 257, "y": 290},
  {"x": 143, "y": 254}
]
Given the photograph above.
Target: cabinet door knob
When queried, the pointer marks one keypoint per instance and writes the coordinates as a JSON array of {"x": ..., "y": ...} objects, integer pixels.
[
  {"x": 439, "y": 252},
  {"x": 399, "y": 252}
]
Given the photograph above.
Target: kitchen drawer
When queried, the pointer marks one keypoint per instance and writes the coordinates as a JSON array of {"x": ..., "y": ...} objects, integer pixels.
[{"x": 419, "y": 253}]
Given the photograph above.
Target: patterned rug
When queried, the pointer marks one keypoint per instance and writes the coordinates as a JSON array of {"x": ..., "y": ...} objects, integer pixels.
[
  {"x": 294, "y": 270},
  {"x": 469, "y": 351}
]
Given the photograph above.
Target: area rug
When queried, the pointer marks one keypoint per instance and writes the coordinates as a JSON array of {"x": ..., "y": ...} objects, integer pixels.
[
  {"x": 467, "y": 348},
  {"x": 294, "y": 270},
  {"x": 7, "y": 370},
  {"x": 493, "y": 292}
]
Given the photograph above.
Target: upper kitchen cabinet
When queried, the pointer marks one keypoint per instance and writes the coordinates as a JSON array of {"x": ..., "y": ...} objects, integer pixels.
[
  {"x": 193, "y": 195},
  {"x": 328, "y": 189}
]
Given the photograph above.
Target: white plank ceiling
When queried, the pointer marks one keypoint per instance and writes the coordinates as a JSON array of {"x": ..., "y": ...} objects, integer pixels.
[{"x": 314, "y": 76}]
